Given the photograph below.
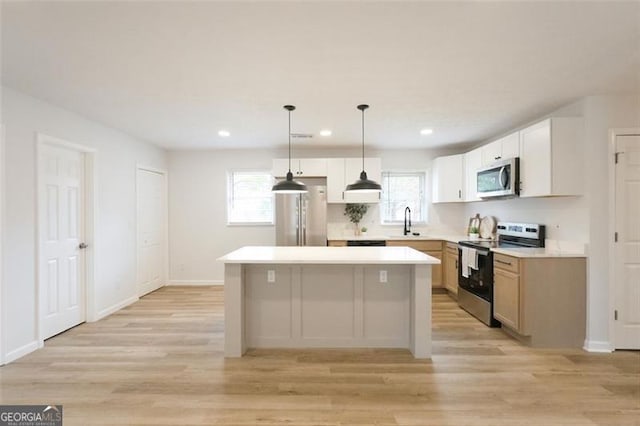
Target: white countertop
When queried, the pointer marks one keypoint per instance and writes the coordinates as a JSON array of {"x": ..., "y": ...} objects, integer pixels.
[
  {"x": 530, "y": 252},
  {"x": 426, "y": 237},
  {"x": 552, "y": 249},
  {"x": 329, "y": 255}
]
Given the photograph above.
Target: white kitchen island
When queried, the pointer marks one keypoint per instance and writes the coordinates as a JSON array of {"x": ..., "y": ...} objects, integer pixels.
[{"x": 327, "y": 297}]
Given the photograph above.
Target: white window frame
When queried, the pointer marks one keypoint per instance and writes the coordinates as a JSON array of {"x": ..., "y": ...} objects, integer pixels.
[
  {"x": 229, "y": 198},
  {"x": 425, "y": 196}
]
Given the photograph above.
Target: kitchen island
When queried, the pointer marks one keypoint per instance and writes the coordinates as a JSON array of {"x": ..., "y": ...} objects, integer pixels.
[{"x": 327, "y": 297}]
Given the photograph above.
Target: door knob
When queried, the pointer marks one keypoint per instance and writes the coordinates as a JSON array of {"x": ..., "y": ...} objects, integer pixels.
[{"x": 82, "y": 246}]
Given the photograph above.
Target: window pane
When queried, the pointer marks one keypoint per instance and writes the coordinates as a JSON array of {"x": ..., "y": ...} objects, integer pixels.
[
  {"x": 400, "y": 190},
  {"x": 249, "y": 197}
]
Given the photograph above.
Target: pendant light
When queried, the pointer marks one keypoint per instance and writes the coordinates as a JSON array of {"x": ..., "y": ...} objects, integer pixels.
[
  {"x": 289, "y": 186},
  {"x": 363, "y": 184}
]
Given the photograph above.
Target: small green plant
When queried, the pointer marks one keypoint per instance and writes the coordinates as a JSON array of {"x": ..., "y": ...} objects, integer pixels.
[
  {"x": 355, "y": 212},
  {"x": 363, "y": 229},
  {"x": 474, "y": 230}
]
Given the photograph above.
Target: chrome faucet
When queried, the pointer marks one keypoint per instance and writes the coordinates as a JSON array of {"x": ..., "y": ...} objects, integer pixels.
[{"x": 407, "y": 229}]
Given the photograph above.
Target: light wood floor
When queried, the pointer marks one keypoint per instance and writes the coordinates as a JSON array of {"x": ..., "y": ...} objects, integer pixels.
[{"x": 160, "y": 361}]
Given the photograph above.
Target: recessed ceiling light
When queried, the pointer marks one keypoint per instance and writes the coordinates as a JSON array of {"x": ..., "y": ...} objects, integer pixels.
[
  {"x": 426, "y": 131},
  {"x": 224, "y": 133},
  {"x": 325, "y": 132}
]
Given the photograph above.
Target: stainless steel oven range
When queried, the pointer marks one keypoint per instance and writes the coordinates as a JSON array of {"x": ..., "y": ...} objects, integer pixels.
[{"x": 475, "y": 275}]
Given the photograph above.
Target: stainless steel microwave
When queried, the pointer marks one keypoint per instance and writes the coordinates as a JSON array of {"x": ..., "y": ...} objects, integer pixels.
[{"x": 499, "y": 179}]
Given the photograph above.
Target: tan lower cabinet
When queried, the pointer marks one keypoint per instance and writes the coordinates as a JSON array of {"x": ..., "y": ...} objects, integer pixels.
[
  {"x": 451, "y": 268},
  {"x": 337, "y": 243},
  {"x": 430, "y": 247},
  {"x": 541, "y": 300}
]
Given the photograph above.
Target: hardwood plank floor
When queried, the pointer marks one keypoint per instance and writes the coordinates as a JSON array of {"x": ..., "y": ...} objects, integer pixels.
[{"x": 160, "y": 361}]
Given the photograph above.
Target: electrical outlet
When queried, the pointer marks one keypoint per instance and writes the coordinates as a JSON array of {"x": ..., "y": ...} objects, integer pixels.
[
  {"x": 383, "y": 276},
  {"x": 271, "y": 276}
]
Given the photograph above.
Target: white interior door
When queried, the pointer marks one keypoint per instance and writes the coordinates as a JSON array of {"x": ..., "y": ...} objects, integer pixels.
[
  {"x": 61, "y": 231},
  {"x": 627, "y": 249},
  {"x": 151, "y": 230}
]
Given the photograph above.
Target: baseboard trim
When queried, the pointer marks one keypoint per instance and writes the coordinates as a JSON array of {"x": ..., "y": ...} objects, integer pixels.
[
  {"x": 597, "y": 346},
  {"x": 21, "y": 351},
  {"x": 114, "y": 308},
  {"x": 195, "y": 282}
]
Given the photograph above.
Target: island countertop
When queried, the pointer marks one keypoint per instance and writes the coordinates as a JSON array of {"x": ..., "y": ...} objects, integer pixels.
[{"x": 329, "y": 255}]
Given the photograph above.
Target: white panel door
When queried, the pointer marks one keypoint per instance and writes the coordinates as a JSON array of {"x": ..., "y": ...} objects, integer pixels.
[
  {"x": 61, "y": 230},
  {"x": 627, "y": 249},
  {"x": 151, "y": 201}
]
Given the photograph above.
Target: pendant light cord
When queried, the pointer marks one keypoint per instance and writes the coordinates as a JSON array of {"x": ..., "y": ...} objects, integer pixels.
[
  {"x": 289, "y": 141},
  {"x": 363, "y": 140}
]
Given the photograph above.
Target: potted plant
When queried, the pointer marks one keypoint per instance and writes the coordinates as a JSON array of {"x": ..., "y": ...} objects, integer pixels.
[
  {"x": 355, "y": 213},
  {"x": 363, "y": 230},
  {"x": 474, "y": 233}
]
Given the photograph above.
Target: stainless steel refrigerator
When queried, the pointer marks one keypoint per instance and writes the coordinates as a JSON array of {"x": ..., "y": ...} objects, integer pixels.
[{"x": 301, "y": 219}]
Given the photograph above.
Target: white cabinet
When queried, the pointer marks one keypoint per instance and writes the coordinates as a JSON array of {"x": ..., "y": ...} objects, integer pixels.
[
  {"x": 335, "y": 180},
  {"x": 300, "y": 167},
  {"x": 472, "y": 162},
  {"x": 447, "y": 178},
  {"x": 551, "y": 158},
  {"x": 503, "y": 148},
  {"x": 344, "y": 171}
]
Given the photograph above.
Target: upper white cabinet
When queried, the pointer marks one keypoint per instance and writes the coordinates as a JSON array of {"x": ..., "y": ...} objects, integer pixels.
[
  {"x": 551, "y": 158},
  {"x": 472, "y": 162},
  {"x": 344, "y": 171},
  {"x": 447, "y": 178},
  {"x": 300, "y": 167},
  {"x": 503, "y": 148}
]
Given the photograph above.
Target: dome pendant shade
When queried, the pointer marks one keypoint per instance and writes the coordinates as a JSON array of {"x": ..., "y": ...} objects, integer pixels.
[
  {"x": 364, "y": 184},
  {"x": 289, "y": 186}
]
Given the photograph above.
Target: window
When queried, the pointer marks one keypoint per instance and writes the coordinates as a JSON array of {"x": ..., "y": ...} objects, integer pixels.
[
  {"x": 399, "y": 190},
  {"x": 249, "y": 198}
]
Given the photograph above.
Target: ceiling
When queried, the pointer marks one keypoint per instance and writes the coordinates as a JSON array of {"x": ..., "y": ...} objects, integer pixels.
[{"x": 175, "y": 73}]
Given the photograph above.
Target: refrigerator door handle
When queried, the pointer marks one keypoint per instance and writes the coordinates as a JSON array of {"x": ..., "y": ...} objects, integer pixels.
[
  {"x": 303, "y": 220},
  {"x": 300, "y": 221}
]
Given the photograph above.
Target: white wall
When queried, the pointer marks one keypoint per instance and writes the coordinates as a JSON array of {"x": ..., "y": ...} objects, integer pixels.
[
  {"x": 197, "y": 205},
  {"x": 581, "y": 219},
  {"x": 115, "y": 244},
  {"x": 198, "y": 231}
]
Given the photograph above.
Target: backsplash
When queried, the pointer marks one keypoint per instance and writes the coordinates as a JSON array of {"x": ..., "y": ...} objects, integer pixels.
[{"x": 339, "y": 226}]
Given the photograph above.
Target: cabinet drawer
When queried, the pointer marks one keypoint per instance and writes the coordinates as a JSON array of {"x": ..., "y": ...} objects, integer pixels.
[
  {"x": 507, "y": 263},
  {"x": 421, "y": 245},
  {"x": 337, "y": 243},
  {"x": 452, "y": 248}
]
